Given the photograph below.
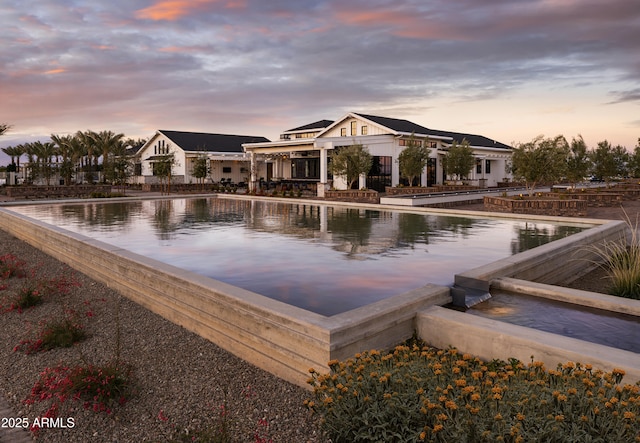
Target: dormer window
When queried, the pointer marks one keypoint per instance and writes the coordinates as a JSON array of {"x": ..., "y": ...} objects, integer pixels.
[
  {"x": 343, "y": 132},
  {"x": 364, "y": 130},
  {"x": 354, "y": 128}
]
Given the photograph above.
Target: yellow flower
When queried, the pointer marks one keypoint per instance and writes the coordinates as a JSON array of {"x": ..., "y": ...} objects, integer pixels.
[
  {"x": 333, "y": 362},
  {"x": 520, "y": 416},
  {"x": 328, "y": 400},
  {"x": 451, "y": 405},
  {"x": 629, "y": 415},
  {"x": 498, "y": 417},
  {"x": 423, "y": 435}
]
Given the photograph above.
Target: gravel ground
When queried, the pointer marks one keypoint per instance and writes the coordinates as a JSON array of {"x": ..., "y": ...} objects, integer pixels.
[{"x": 175, "y": 371}]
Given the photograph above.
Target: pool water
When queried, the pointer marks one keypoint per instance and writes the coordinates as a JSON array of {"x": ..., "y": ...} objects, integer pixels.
[
  {"x": 616, "y": 330},
  {"x": 326, "y": 259}
]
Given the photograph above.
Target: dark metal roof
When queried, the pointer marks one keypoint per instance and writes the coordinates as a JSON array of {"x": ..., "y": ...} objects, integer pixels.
[
  {"x": 401, "y": 125},
  {"x": 321, "y": 124},
  {"x": 202, "y": 141}
]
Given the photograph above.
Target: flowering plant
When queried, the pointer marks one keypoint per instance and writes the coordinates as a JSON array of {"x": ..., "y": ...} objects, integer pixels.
[{"x": 424, "y": 394}]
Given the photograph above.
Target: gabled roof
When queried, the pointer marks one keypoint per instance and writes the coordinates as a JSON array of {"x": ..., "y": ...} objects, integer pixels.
[
  {"x": 320, "y": 124},
  {"x": 400, "y": 125},
  {"x": 202, "y": 141},
  {"x": 396, "y": 124}
]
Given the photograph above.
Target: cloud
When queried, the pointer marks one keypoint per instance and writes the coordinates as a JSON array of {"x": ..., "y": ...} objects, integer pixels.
[
  {"x": 172, "y": 10},
  {"x": 260, "y": 67}
]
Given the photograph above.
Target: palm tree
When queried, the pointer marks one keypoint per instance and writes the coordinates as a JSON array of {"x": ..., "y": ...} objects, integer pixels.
[
  {"x": 4, "y": 128},
  {"x": 106, "y": 142},
  {"x": 87, "y": 143},
  {"x": 44, "y": 152},
  {"x": 64, "y": 145},
  {"x": 11, "y": 152}
]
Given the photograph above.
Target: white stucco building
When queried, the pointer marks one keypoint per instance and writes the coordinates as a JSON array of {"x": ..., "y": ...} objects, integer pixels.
[
  {"x": 226, "y": 158},
  {"x": 303, "y": 153}
]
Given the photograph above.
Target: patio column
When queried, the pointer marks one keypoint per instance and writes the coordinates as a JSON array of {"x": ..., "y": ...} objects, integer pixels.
[
  {"x": 254, "y": 172},
  {"x": 322, "y": 186}
]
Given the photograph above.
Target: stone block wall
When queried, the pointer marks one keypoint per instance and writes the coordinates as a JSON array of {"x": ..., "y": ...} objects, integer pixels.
[{"x": 537, "y": 206}]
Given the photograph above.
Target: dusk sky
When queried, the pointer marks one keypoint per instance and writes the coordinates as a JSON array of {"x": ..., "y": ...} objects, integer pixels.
[{"x": 508, "y": 70}]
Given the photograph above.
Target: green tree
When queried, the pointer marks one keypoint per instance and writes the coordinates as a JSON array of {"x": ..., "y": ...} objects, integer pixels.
[
  {"x": 578, "y": 161},
  {"x": 64, "y": 144},
  {"x": 200, "y": 169},
  {"x": 604, "y": 162},
  {"x": 542, "y": 160},
  {"x": 459, "y": 160},
  {"x": 162, "y": 168},
  {"x": 634, "y": 161},
  {"x": 621, "y": 159},
  {"x": 120, "y": 168},
  {"x": 412, "y": 160},
  {"x": 350, "y": 162}
]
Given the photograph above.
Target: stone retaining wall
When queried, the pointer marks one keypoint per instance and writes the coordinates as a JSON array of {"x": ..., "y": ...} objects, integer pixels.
[
  {"x": 353, "y": 195},
  {"x": 537, "y": 206},
  {"x": 45, "y": 191},
  {"x": 427, "y": 189}
]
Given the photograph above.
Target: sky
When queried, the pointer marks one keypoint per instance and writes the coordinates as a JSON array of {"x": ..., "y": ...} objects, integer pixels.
[{"x": 508, "y": 70}]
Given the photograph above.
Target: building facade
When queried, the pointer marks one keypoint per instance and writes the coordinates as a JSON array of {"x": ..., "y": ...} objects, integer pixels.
[{"x": 304, "y": 153}]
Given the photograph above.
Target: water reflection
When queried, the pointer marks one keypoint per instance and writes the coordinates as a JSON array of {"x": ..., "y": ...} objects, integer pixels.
[{"x": 322, "y": 258}]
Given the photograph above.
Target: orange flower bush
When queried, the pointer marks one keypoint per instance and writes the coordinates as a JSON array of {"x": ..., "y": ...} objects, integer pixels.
[{"x": 423, "y": 394}]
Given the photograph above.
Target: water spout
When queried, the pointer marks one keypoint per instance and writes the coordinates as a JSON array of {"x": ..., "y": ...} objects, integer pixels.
[{"x": 464, "y": 298}]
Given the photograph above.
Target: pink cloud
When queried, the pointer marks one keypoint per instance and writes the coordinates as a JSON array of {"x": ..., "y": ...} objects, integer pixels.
[
  {"x": 171, "y": 10},
  {"x": 400, "y": 23}
]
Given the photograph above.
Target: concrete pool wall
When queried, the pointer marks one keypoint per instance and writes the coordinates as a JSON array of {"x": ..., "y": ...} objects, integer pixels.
[{"x": 281, "y": 338}]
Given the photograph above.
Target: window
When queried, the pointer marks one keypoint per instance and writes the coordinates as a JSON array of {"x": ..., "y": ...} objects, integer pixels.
[
  {"x": 487, "y": 166},
  {"x": 433, "y": 145},
  {"x": 364, "y": 130},
  {"x": 478, "y": 166},
  {"x": 354, "y": 128},
  {"x": 343, "y": 132},
  {"x": 226, "y": 169}
]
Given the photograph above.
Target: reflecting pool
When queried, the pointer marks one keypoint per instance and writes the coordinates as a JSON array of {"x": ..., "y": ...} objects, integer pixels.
[{"x": 326, "y": 259}]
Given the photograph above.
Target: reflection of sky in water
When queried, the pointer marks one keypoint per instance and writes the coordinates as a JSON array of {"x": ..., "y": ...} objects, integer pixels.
[{"x": 324, "y": 259}]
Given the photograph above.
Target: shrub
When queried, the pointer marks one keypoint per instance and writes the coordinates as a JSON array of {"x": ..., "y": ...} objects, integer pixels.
[
  {"x": 422, "y": 394},
  {"x": 33, "y": 293},
  {"x": 99, "y": 387},
  {"x": 59, "y": 333},
  {"x": 11, "y": 266},
  {"x": 621, "y": 260}
]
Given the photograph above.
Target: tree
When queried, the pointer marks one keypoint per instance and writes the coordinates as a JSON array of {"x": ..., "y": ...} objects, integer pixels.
[
  {"x": 120, "y": 168},
  {"x": 105, "y": 142},
  {"x": 162, "y": 169},
  {"x": 634, "y": 161},
  {"x": 578, "y": 161},
  {"x": 621, "y": 159},
  {"x": 350, "y": 162},
  {"x": 604, "y": 162},
  {"x": 459, "y": 160},
  {"x": 412, "y": 160},
  {"x": 200, "y": 169},
  {"x": 4, "y": 128},
  {"x": 540, "y": 161}
]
